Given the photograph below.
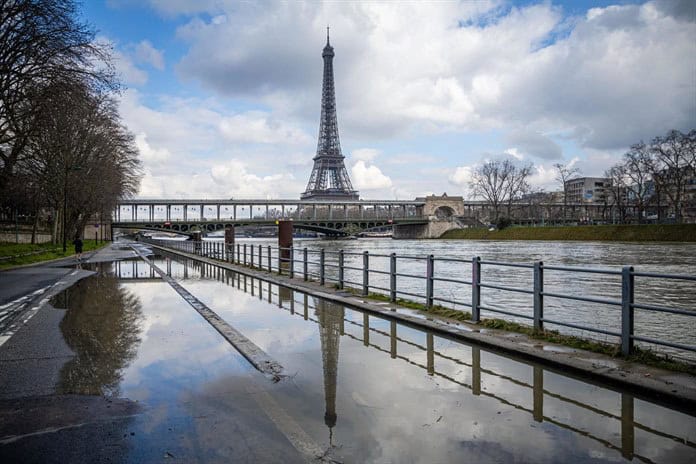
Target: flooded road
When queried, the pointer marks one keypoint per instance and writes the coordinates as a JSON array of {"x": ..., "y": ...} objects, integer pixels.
[{"x": 358, "y": 388}]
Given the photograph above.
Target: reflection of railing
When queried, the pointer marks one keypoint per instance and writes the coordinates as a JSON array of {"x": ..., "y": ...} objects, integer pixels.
[
  {"x": 314, "y": 264},
  {"x": 286, "y": 299}
]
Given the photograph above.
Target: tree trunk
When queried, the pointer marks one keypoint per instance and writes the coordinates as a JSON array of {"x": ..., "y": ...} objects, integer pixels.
[
  {"x": 33, "y": 227},
  {"x": 56, "y": 221}
]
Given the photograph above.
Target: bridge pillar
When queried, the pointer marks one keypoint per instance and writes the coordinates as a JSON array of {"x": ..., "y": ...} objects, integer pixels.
[
  {"x": 197, "y": 238},
  {"x": 169, "y": 212},
  {"x": 229, "y": 241},
  {"x": 202, "y": 211},
  {"x": 218, "y": 212},
  {"x": 284, "y": 240}
]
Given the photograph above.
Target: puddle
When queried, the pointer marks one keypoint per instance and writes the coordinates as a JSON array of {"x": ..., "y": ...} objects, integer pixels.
[{"x": 360, "y": 388}]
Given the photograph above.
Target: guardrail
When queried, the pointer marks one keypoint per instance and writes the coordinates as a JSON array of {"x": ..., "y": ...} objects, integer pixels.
[{"x": 332, "y": 267}]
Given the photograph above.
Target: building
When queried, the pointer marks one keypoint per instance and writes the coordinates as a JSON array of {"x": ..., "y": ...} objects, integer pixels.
[{"x": 587, "y": 190}]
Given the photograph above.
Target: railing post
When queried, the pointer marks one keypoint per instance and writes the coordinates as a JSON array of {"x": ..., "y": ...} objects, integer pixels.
[
  {"x": 251, "y": 257},
  {"x": 260, "y": 257},
  {"x": 304, "y": 264},
  {"x": 322, "y": 268},
  {"x": 429, "y": 287},
  {"x": 627, "y": 281},
  {"x": 366, "y": 273},
  {"x": 270, "y": 257},
  {"x": 340, "y": 269},
  {"x": 475, "y": 289},
  {"x": 280, "y": 260},
  {"x": 245, "y": 254},
  {"x": 292, "y": 262},
  {"x": 539, "y": 296},
  {"x": 392, "y": 277},
  {"x": 239, "y": 254}
]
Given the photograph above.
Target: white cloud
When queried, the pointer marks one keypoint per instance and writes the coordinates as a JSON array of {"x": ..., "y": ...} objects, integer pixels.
[
  {"x": 149, "y": 154},
  {"x": 364, "y": 154},
  {"x": 369, "y": 177},
  {"x": 515, "y": 153},
  {"x": 461, "y": 176},
  {"x": 146, "y": 53},
  {"x": 126, "y": 70},
  {"x": 465, "y": 67},
  {"x": 534, "y": 144},
  {"x": 544, "y": 177},
  {"x": 258, "y": 127}
]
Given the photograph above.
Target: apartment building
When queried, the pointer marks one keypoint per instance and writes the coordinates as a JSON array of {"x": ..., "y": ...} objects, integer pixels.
[{"x": 587, "y": 189}]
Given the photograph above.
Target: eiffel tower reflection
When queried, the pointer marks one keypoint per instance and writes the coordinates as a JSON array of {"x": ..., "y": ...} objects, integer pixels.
[{"x": 330, "y": 328}]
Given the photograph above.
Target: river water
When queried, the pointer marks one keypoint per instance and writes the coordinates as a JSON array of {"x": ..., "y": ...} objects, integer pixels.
[
  {"x": 360, "y": 388},
  {"x": 664, "y": 258}
]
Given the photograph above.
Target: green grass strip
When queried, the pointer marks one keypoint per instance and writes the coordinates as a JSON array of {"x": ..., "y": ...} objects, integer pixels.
[
  {"x": 615, "y": 233},
  {"x": 25, "y": 253}
]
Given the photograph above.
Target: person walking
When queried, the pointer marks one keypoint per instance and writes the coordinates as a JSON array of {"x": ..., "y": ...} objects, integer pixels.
[{"x": 78, "y": 247}]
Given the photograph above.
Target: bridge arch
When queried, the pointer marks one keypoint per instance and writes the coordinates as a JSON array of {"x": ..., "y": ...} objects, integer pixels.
[{"x": 444, "y": 211}]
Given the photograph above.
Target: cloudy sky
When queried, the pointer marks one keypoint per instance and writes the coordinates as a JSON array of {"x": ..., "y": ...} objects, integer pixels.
[{"x": 224, "y": 96}]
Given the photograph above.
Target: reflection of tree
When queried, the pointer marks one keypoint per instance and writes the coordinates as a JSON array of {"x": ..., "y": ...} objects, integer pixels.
[
  {"x": 102, "y": 325},
  {"x": 330, "y": 320}
]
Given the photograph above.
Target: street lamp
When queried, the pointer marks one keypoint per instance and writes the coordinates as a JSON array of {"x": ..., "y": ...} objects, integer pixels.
[{"x": 65, "y": 200}]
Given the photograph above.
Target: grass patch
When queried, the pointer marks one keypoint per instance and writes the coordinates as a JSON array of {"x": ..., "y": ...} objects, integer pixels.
[
  {"x": 25, "y": 253},
  {"x": 618, "y": 233},
  {"x": 640, "y": 355}
]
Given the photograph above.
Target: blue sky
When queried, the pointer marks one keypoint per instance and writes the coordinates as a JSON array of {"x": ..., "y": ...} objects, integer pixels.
[{"x": 224, "y": 97}]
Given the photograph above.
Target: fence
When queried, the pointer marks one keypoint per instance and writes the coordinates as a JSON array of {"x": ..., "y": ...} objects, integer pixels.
[{"x": 379, "y": 273}]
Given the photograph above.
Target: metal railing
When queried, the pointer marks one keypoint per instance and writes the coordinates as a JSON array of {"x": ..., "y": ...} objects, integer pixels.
[{"x": 338, "y": 267}]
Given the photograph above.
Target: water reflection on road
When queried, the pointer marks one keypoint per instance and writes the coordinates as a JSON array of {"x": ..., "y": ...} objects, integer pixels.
[{"x": 364, "y": 388}]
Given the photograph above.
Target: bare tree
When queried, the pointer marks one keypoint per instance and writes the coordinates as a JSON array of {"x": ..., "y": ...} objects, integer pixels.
[
  {"x": 617, "y": 190},
  {"x": 674, "y": 165},
  {"x": 41, "y": 41},
  {"x": 565, "y": 172},
  {"x": 499, "y": 183},
  {"x": 638, "y": 169},
  {"x": 84, "y": 160}
]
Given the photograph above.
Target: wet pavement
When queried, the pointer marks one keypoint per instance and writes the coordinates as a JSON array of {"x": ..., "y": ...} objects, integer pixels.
[{"x": 132, "y": 373}]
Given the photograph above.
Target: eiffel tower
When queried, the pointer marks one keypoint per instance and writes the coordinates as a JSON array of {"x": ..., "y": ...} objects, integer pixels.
[{"x": 329, "y": 179}]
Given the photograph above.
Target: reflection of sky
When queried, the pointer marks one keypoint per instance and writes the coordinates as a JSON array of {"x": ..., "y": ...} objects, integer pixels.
[{"x": 389, "y": 410}]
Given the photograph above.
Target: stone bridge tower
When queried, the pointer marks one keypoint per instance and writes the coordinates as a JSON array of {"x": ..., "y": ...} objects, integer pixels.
[{"x": 329, "y": 179}]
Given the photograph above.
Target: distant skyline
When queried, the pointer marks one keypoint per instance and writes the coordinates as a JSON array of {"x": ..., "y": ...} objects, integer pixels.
[{"x": 224, "y": 96}]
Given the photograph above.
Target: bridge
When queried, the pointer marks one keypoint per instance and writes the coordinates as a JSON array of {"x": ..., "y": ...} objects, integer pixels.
[
  {"x": 426, "y": 217},
  {"x": 336, "y": 217}
]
